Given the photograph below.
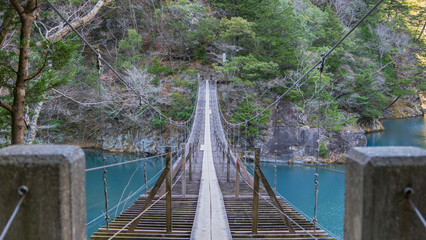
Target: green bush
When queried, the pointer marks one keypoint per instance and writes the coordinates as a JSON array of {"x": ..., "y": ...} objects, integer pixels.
[
  {"x": 159, "y": 68},
  {"x": 157, "y": 122},
  {"x": 323, "y": 150}
]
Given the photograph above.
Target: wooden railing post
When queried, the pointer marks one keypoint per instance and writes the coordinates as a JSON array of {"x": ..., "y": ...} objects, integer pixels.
[
  {"x": 223, "y": 154},
  {"x": 228, "y": 164},
  {"x": 195, "y": 151},
  {"x": 169, "y": 191},
  {"x": 185, "y": 156},
  {"x": 255, "y": 215},
  {"x": 167, "y": 170},
  {"x": 274, "y": 199},
  {"x": 191, "y": 154},
  {"x": 237, "y": 174},
  {"x": 145, "y": 177}
]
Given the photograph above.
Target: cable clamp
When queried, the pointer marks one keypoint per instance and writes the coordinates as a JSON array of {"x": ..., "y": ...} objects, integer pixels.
[
  {"x": 99, "y": 62},
  {"x": 321, "y": 67}
]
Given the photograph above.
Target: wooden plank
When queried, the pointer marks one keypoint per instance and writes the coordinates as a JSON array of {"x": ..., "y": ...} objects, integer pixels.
[
  {"x": 241, "y": 211},
  {"x": 151, "y": 196},
  {"x": 274, "y": 199}
]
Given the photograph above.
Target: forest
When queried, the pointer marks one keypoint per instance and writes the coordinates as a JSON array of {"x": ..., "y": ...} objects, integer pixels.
[{"x": 55, "y": 89}]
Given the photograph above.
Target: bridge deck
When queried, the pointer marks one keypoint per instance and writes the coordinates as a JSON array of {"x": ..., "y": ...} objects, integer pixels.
[{"x": 238, "y": 210}]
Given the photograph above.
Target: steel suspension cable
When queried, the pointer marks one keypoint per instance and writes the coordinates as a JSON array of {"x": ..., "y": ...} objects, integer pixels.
[
  {"x": 104, "y": 175},
  {"x": 322, "y": 168},
  {"x": 127, "y": 185},
  {"x": 276, "y": 152},
  {"x": 279, "y": 211},
  {"x": 316, "y": 180},
  {"x": 306, "y": 215},
  {"x": 150, "y": 206},
  {"x": 22, "y": 190},
  {"x": 104, "y": 178},
  {"x": 130, "y": 196},
  {"x": 130, "y": 222},
  {"x": 123, "y": 163}
]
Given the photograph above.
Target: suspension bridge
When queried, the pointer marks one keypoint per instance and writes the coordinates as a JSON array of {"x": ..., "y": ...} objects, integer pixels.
[
  {"x": 207, "y": 193},
  {"x": 205, "y": 190}
]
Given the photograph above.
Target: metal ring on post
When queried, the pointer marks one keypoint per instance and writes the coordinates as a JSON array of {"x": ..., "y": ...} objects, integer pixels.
[
  {"x": 408, "y": 191},
  {"x": 22, "y": 191}
]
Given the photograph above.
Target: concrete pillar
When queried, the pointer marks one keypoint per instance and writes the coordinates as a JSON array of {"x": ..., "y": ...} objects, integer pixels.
[
  {"x": 375, "y": 204},
  {"x": 55, "y": 205}
]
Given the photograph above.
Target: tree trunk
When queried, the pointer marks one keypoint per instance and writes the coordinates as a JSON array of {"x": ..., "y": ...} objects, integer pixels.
[
  {"x": 79, "y": 22},
  {"x": 34, "y": 123},
  {"x": 27, "y": 17}
]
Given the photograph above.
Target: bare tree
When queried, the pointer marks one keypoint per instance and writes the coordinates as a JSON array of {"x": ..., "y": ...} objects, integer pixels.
[
  {"x": 27, "y": 12},
  {"x": 348, "y": 11},
  {"x": 388, "y": 41}
]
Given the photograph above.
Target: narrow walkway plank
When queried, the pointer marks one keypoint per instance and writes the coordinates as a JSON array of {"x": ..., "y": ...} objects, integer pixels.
[{"x": 210, "y": 218}]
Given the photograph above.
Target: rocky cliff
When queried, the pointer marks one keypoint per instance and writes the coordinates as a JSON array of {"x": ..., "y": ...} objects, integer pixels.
[{"x": 288, "y": 140}]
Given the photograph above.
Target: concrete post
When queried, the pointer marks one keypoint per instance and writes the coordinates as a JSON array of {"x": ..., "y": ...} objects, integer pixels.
[
  {"x": 375, "y": 204},
  {"x": 55, "y": 205}
]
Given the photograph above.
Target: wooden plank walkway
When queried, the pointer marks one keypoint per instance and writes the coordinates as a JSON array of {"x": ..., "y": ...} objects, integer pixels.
[{"x": 238, "y": 209}]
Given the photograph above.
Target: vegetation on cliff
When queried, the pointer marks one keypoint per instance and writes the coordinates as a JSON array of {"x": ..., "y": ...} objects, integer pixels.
[{"x": 159, "y": 46}]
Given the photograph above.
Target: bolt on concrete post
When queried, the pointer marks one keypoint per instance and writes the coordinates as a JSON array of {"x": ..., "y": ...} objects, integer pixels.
[
  {"x": 55, "y": 205},
  {"x": 375, "y": 204}
]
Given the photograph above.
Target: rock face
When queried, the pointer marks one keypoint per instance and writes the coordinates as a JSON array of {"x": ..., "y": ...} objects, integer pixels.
[
  {"x": 374, "y": 126},
  {"x": 422, "y": 98},
  {"x": 289, "y": 140},
  {"x": 135, "y": 140},
  {"x": 406, "y": 107}
]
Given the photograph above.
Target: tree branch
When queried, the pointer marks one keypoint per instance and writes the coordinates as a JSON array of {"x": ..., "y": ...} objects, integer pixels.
[
  {"x": 17, "y": 7},
  {"x": 6, "y": 106},
  {"x": 39, "y": 70},
  {"x": 79, "y": 22},
  {"x": 390, "y": 105},
  {"x": 78, "y": 102}
]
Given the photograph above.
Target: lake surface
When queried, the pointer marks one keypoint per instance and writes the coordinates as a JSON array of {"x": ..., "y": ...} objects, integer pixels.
[
  {"x": 400, "y": 132},
  {"x": 294, "y": 182},
  {"x": 118, "y": 177}
]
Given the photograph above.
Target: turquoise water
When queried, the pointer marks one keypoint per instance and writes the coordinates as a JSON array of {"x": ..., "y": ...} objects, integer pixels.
[
  {"x": 118, "y": 178},
  {"x": 295, "y": 183},
  {"x": 400, "y": 132}
]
